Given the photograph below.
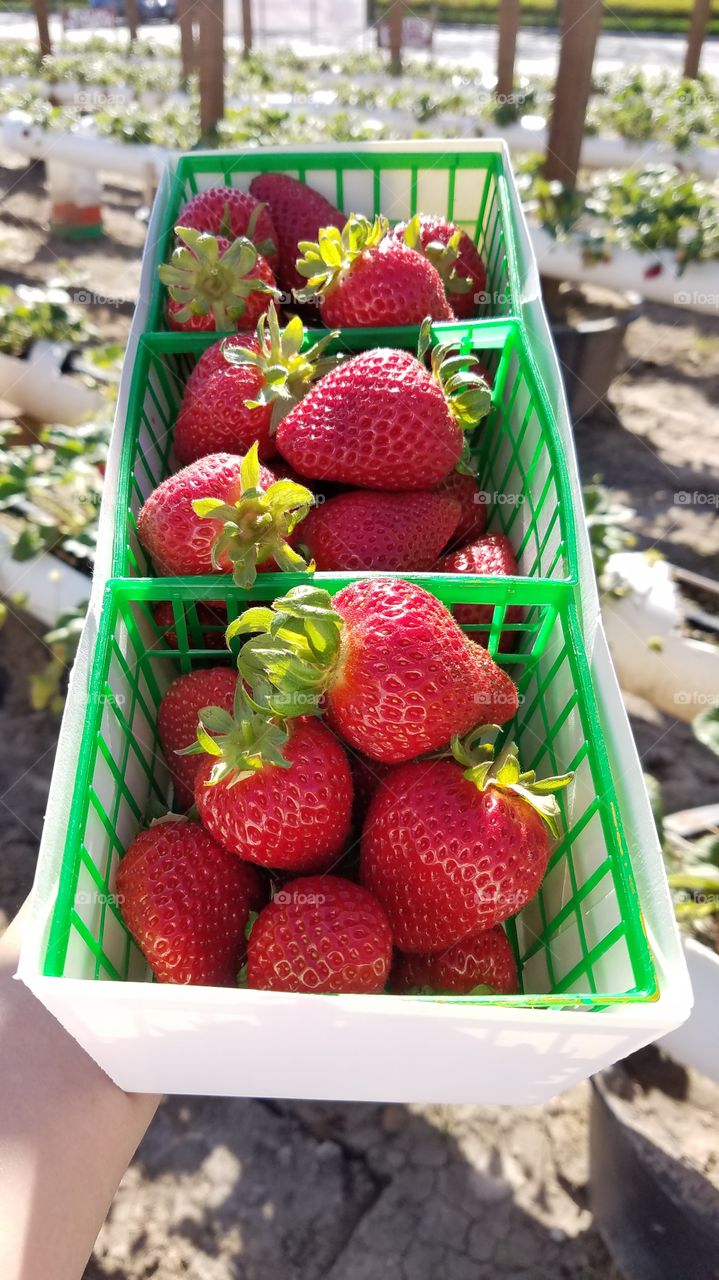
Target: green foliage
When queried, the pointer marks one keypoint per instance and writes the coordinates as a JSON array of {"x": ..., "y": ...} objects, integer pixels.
[
  {"x": 606, "y": 521},
  {"x": 27, "y": 314}
]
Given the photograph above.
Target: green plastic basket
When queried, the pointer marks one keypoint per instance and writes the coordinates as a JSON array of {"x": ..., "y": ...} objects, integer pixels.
[
  {"x": 520, "y": 461},
  {"x": 469, "y": 188},
  {"x": 580, "y": 942}
]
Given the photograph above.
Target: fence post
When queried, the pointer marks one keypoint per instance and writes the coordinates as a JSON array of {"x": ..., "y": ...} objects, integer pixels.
[
  {"x": 43, "y": 28},
  {"x": 246, "y": 28},
  {"x": 212, "y": 65},
  {"x": 508, "y": 27},
  {"x": 132, "y": 15},
  {"x": 188, "y": 53},
  {"x": 580, "y": 24},
  {"x": 396, "y": 14},
  {"x": 698, "y": 23}
]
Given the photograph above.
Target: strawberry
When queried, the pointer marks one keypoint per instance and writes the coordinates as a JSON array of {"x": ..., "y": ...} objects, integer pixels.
[
  {"x": 492, "y": 554},
  {"x": 179, "y": 715},
  {"x": 223, "y": 514},
  {"x": 473, "y": 506},
  {"x": 242, "y": 386},
  {"x": 214, "y": 284},
  {"x": 277, "y": 796},
  {"x": 383, "y": 421},
  {"x": 320, "y": 934},
  {"x": 457, "y": 846},
  {"x": 477, "y": 966},
  {"x": 212, "y": 614},
  {"x": 186, "y": 903},
  {"x": 227, "y": 212},
  {"x": 298, "y": 213},
  {"x": 381, "y": 531},
  {"x": 367, "y": 776},
  {"x": 453, "y": 254},
  {"x": 365, "y": 277},
  {"x": 397, "y": 675}
]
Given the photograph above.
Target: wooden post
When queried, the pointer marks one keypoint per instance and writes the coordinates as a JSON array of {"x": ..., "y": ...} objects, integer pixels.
[
  {"x": 43, "y": 28},
  {"x": 188, "y": 53},
  {"x": 506, "y": 48},
  {"x": 132, "y": 16},
  {"x": 698, "y": 24},
  {"x": 395, "y": 15},
  {"x": 581, "y": 20},
  {"x": 246, "y": 28},
  {"x": 212, "y": 65}
]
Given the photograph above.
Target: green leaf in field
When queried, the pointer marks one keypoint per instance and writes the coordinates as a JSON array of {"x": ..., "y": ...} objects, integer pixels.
[{"x": 706, "y": 728}]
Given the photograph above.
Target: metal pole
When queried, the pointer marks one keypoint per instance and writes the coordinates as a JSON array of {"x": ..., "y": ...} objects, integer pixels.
[
  {"x": 43, "y": 28},
  {"x": 212, "y": 65},
  {"x": 396, "y": 14},
  {"x": 581, "y": 21},
  {"x": 506, "y": 47},
  {"x": 246, "y": 28},
  {"x": 698, "y": 24}
]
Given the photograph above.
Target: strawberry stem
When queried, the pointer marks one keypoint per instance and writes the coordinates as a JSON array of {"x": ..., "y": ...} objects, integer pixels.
[
  {"x": 286, "y": 370},
  {"x": 255, "y": 528},
  {"x": 291, "y": 659},
  {"x": 241, "y": 742},
  {"x": 486, "y": 769},
  {"x": 442, "y": 256},
  {"x": 207, "y": 281},
  {"x": 334, "y": 251}
]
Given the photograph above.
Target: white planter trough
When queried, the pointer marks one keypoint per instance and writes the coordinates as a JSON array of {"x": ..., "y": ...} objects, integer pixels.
[
  {"x": 36, "y": 387},
  {"x": 696, "y": 1042}
]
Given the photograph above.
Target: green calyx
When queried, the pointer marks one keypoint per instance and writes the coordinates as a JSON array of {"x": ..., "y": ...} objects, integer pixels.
[
  {"x": 467, "y": 394},
  {"x": 241, "y": 742},
  {"x": 442, "y": 256},
  {"x": 286, "y": 370},
  {"x": 485, "y": 769},
  {"x": 208, "y": 282},
  {"x": 333, "y": 253},
  {"x": 256, "y": 526},
  {"x": 292, "y": 656}
]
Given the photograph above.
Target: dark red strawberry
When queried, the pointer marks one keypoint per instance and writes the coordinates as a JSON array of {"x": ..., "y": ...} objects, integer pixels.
[
  {"x": 481, "y": 965},
  {"x": 298, "y": 213},
  {"x": 225, "y": 211},
  {"x": 384, "y": 421},
  {"x": 186, "y": 903},
  {"x": 473, "y": 506},
  {"x": 211, "y": 614},
  {"x": 242, "y": 386},
  {"x": 397, "y": 675},
  {"x": 367, "y": 776},
  {"x": 214, "y": 284},
  {"x": 493, "y": 554},
  {"x": 320, "y": 934},
  {"x": 179, "y": 715},
  {"x": 453, "y": 254},
  {"x": 212, "y": 517},
  {"x": 280, "y": 797},
  {"x": 365, "y": 277},
  {"x": 454, "y": 848},
  {"x": 378, "y": 531}
]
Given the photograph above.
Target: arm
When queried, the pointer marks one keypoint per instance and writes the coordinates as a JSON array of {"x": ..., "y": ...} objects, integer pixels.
[{"x": 67, "y": 1135}]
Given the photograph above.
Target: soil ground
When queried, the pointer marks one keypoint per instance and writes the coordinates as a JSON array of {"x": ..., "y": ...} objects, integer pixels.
[{"x": 238, "y": 1190}]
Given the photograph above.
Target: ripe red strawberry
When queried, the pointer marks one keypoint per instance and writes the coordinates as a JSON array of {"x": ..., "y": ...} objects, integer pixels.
[
  {"x": 451, "y": 850},
  {"x": 454, "y": 255},
  {"x": 367, "y": 776},
  {"x": 378, "y": 531},
  {"x": 214, "y": 284},
  {"x": 492, "y": 554},
  {"x": 298, "y": 213},
  {"x": 365, "y": 277},
  {"x": 485, "y": 962},
  {"x": 225, "y": 211},
  {"x": 186, "y": 903},
  {"x": 275, "y": 796},
  {"x": 211, "y": 614},
  {"x": 473, "y": 506},
  {"x": 320, "y": 934},
  {"x": 242, "y": 386},
  {"x": 384, "y": 421},
  {"x": 212, "y": 517},
  {"x": 178, "y": 717},
  {"x": 397, "y": 675}
]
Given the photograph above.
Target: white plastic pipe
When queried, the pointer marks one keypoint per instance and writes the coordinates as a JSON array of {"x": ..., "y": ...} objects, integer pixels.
[
  {"x": 35, "y": 386},
  {"x": 627, "y": 271},
  {"x": 48, "y": 586},
  {"x": 613, "y": 152},
  {"x": 81, "y": 149},
  {"x": 652, "y": 656}
]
